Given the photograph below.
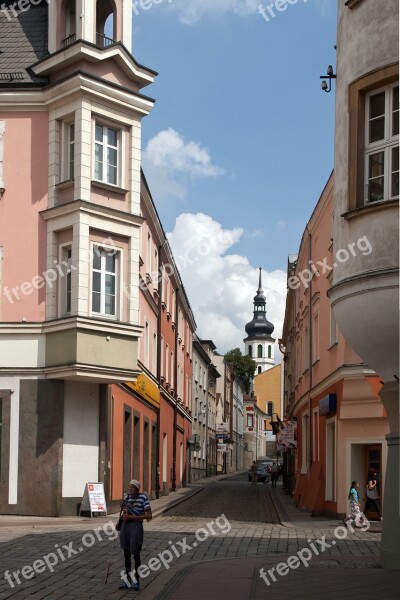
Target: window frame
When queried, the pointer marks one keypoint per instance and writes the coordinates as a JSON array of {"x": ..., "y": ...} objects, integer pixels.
[
  {"x": 385, "y": 145},
  {"x": 65, "y": 281},
  {"x": 118, "y": 253},
  {"x": 119, "y": 148},
  {"x": 356, "y": 148},
  {"x": 68, "y": 150}
]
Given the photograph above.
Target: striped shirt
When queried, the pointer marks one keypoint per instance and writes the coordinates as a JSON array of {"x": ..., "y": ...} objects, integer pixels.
[{"x": 137, "y": 506}]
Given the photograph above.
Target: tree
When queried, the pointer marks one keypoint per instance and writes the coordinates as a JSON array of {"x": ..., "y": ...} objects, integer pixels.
[{"x": 243, "y": 366}]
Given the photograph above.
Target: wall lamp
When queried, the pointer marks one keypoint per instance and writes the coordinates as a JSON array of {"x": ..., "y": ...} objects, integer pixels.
[{"x": 329, "y": 75}]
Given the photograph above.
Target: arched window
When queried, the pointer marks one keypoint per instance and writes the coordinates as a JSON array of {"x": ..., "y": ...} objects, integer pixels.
[
  {"x": 270, "y": 411},
  {"x": 105, "y": 23},
  {"x": 269, "y": 352},
  {"x": 69, "y": 19},
  {"x": 250, "y": 350},
  {"x": 259, "y": 370},
  {"x": 259, "y": 351}
]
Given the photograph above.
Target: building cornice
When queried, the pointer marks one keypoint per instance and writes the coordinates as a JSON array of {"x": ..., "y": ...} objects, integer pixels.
[
  {"x": 83, "y": 206},
  {"x": 83, "y": 50}
]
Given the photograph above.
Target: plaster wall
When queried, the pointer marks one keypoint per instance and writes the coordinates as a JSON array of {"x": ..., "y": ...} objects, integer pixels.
[{"x": 22, "y": 230}]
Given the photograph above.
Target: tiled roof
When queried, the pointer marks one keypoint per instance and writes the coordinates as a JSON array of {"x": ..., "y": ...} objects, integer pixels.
[{"x": 23, "y": 41}]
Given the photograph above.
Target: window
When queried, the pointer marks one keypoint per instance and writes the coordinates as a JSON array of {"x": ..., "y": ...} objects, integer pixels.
[
  {"x": 250, "y": 420},
  {"x": 381, "y": 144},
  {"x": 334, "y": 330},
  {"x": 167, "y": 363},
  {"x": 269, "y": 352},
  {"x": 68, "y": 279},
  {"x": 270, "y": 410},
  {"x": 71, "y": 151},
  {"x": 315, "y": 335},
  {"x": 304, "y": 444},
  {"x": 259, "y": 351},
  {"x": 106, "y": 155},
  {"x": 250, "y": 350},
  {"x": 259, "y": 370},
  {"x": 162, "y": 373},
  {"x": 104, "y": 281}
]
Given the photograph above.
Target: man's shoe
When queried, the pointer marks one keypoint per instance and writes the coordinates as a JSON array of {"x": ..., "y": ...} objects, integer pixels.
[
  {"x": 136, "y": 587},
  {"x": 124, "y": 586}
]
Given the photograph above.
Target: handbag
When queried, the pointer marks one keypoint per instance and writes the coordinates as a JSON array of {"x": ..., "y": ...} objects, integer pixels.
[
  {"x": 119, "y": 523},
  {"x": 372, "y": 493}
]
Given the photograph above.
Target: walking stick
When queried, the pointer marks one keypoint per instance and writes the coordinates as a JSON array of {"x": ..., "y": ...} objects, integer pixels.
[{"x": 112, "y": 549}]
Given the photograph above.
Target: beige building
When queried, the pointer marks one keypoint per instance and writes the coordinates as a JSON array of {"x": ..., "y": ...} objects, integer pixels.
[
  {"x": 364, "y": 293},
  {"x": 267, "y": 390}
]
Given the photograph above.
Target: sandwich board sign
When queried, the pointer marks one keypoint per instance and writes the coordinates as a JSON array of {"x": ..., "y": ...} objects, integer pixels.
[{"x": 94, "y": 499}]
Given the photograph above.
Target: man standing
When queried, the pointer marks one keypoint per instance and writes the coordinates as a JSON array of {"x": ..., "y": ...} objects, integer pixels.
[
  {"x": 274, "y": 474},
  {"x": 254, "y": 472},
  {"x": 135, "y": 509}
]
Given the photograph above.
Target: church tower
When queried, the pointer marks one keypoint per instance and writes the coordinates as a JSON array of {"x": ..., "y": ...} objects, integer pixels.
[{"x": 259, "y": 344}]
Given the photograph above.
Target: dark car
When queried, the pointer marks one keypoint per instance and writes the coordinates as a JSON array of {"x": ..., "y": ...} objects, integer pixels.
[{"x": 261, "y": 473}]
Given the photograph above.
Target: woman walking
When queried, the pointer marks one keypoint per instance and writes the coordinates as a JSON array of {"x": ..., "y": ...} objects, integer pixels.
[
  {"x": 355, "y": 515},
  {"x": 371, "y": 492}
]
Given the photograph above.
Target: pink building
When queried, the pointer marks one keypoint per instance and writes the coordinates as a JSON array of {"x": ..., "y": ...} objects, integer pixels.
[
  {"x": 331, "y": 392},
  {"x": 70, "y": 241}
]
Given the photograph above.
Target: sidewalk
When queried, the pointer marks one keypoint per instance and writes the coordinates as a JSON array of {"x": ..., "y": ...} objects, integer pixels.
[{"x": 333, "y": 576}]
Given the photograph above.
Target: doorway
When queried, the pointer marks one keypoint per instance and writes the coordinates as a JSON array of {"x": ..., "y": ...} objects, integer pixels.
[{"x": 373, "y": 460}]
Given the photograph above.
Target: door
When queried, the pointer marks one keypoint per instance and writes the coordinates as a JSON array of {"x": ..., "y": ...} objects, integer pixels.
[{"x": 373, "y": 460}]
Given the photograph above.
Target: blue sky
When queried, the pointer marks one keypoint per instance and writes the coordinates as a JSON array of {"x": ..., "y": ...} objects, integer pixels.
[{"x": 239, "y": 144}]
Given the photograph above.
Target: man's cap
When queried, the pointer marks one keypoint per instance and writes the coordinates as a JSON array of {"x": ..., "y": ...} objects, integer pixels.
[{"x": 135, "y": 483}]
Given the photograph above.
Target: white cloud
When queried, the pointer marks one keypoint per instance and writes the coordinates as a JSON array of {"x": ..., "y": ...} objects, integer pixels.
[
  {"x": 221, "y": 286},
  {"x": 169, "y": 163},
  {"x": 192, "y": 11}
]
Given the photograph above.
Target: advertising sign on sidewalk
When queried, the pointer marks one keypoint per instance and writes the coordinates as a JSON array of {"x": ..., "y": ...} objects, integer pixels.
[{"x": 94, "y": 499}]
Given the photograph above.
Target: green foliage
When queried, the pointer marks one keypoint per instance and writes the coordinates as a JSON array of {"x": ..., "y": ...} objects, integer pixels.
[{"x": 243, "y": 366}]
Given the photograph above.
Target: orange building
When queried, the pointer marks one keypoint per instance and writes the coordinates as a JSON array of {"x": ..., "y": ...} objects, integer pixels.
[{"x": 331, "y": 392}]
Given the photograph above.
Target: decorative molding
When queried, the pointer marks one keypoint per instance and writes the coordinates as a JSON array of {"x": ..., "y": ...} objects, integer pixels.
[{"x": 352, "y": 3}]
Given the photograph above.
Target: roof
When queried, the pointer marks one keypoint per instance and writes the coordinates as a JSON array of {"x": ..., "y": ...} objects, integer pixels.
[{"x": 23, "y": 41}]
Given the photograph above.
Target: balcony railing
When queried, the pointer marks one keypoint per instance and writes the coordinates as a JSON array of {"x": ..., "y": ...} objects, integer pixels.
[
  {"x": 103, "y": 41},
  {"x": 69, "y": 40}
]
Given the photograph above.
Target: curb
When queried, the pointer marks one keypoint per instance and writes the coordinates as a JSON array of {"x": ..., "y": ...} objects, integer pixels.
[{"x": 176, "y": 502}]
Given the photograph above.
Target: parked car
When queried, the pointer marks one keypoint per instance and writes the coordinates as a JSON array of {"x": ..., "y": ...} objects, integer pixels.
[{"x": 262, "y": 473}]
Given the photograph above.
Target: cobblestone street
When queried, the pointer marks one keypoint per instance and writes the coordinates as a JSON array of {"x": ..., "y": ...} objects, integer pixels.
[{"x": 182, "y": 538}]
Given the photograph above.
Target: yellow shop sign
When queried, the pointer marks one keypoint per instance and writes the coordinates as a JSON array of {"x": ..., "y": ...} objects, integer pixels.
[{"x": 147, "y": 389}]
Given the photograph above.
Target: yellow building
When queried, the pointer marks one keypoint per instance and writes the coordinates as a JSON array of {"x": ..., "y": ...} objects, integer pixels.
[{"x": 267, "y": 389}]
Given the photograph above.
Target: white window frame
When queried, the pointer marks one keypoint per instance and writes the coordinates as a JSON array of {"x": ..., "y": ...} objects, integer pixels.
[
  {"x": 118, "y": 280},
  {"x": 105, "y": 145},
  {"x": 68, "y": 150},
  {"x": 65, "y": 280},
  {"x": 385, "y": 145}
]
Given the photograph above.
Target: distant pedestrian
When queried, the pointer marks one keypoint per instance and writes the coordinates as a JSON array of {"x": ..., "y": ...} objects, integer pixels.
[
  {"x": 274, "y": 474},
  {"x": 355, "y": 515},
  {"x": 254, "y": 472},
  {"x": 135, "y": 509},
  {"x": 372, "y": 494}
]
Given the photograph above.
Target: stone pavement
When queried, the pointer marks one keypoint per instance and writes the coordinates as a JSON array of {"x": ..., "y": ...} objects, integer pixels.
[{"x": 199, "y": 562}]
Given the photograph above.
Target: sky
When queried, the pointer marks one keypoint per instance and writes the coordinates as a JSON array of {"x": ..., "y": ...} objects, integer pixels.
[{"x": 239, "y": 145}]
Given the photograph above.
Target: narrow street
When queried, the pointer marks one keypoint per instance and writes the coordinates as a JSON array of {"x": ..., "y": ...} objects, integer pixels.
[{"x": 228, "y": 527}]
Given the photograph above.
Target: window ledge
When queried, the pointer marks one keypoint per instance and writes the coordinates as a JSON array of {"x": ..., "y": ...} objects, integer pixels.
[
  {"x": 352, "y": 3},
  {"x": 110, "y": 188},
  {"x": 65, "y": 184},
  {"x": 315, "y": 363},
  {"x": 369, "y": 208},
  {"x": 333, "y": 346}
]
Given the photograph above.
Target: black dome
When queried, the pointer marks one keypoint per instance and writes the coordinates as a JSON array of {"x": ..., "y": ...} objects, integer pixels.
[{"x": 259, "y": 327}]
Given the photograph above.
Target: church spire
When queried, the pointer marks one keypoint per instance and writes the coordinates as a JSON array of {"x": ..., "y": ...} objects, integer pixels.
[{"x": 259, "y": 283}]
